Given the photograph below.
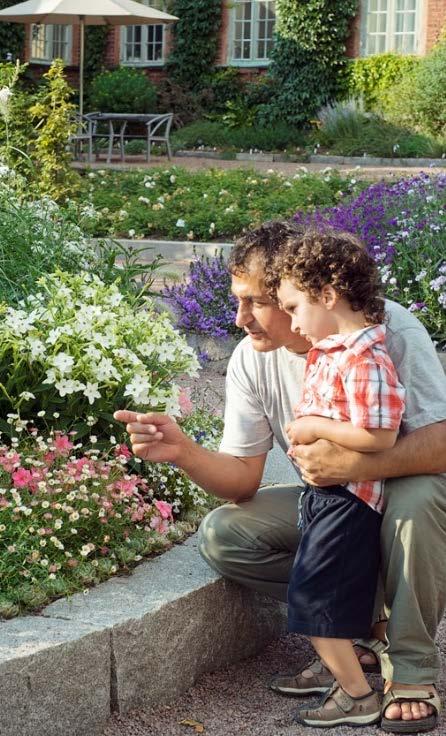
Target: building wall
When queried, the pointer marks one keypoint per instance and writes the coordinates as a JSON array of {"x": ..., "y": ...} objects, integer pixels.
[{"x": 435, "y": 20}]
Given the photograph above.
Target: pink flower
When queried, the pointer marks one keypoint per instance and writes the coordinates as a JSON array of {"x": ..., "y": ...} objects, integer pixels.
[
  {"x": 49, "y": 458},
  {"x": 123, "y": 450},
  {"x": 63, "y": 444},
  {"x": 164, "y": 508},
  {"x": 21, "y": 478},
  {"x": 127, "y": 487},
  {"x": 10, "y": 461},
  {"x": 159, "y": 525},
  {"x": 184, "y": 400}
]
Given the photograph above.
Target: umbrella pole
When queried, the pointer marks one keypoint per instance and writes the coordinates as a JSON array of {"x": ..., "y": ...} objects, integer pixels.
[{"x": 81, "y": 66}]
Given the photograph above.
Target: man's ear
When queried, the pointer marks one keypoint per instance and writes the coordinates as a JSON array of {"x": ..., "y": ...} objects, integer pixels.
[{"x": 329, "y": 296}]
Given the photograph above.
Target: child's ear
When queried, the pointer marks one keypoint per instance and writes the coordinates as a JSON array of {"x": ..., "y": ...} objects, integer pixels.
[{"x": 329, "y": 296}]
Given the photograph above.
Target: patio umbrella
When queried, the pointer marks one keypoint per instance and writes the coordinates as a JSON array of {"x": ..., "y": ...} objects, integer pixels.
[{"x": 82, "y": 13}]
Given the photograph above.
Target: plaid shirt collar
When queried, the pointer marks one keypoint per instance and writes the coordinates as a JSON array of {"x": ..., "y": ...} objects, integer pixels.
[{"x": 357, "y": 342}]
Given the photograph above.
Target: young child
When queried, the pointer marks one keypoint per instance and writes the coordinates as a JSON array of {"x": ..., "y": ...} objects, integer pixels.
[{"x": 330, "y": 288}]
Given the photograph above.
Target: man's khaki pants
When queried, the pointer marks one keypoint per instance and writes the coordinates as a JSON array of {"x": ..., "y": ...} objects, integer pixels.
[{"x": 254, "y": 543}]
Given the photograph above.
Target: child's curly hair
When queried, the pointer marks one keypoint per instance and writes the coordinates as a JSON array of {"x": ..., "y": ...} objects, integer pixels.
[{"x": 319, "y": 257}]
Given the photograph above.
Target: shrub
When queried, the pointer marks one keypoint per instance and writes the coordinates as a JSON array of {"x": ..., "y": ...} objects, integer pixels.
[
  {"x": 16, "y": 125},
  {"x": 53, "y": 115},
  {"x": 219, "y": 135},
  {"x": 204, "y": 303},
  {"x": 70, "y": 520},
  {"x": 347, "y": 131},
  {"x": 122, "y": 90},
  {"x": 418, "y": 100},
  {"x": 225, "y": 85},
  {"x": 186, "y": 105},
  {"x": 371, "y": 77},
  {"x": 195, "y": 41},
  {"x": 80, "y": 347},
  {"x": 403, "y": 226}
]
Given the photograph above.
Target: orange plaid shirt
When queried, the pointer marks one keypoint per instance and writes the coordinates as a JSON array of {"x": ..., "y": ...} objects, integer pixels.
[{"x": 351, "y": 378}]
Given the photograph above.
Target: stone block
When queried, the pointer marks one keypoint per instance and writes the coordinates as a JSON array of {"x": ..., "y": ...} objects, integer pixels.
[
  {"x": 173, "y": 619},
  {"x": 54, "y": 678}
]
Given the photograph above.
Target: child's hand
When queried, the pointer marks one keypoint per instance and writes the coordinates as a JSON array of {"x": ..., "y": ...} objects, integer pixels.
[{"x": 302, "y": 431}]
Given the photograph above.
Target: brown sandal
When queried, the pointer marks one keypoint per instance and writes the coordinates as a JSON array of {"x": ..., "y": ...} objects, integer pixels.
[
  {"x": 349, "y": 711},
  {"x": 423, "y": 695}
]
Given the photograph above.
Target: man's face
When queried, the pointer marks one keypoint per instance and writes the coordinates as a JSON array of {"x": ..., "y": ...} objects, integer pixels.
[{"x": 268, "y": 326}]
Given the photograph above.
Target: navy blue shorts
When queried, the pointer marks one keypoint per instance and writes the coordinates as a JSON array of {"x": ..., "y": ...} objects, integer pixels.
[{"x": 335, "y": 572}]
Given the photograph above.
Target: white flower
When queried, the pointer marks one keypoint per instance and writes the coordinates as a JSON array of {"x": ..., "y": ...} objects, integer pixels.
[
  {"x": 5, "y": 96},
  {"x": 180, "y": 222},
  {"x": 27, "y": 395},
  {"x": 91, "y": 392},
  {"x": 63, "y": 363},
  {"x": 68, "y": 386}
]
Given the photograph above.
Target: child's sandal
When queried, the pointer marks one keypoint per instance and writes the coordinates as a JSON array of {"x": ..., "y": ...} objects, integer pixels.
[{"x": 349, "y": 711}]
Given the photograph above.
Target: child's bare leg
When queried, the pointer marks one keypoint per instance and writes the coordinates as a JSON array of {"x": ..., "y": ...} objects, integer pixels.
[{"x": 340, "y": 658}]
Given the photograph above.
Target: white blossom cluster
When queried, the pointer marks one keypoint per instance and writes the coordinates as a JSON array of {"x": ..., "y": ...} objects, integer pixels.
[{"x": 83, "y": 338}]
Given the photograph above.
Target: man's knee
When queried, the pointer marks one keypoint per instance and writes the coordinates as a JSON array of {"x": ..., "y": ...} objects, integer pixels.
[{"x": 214, "y": 535}]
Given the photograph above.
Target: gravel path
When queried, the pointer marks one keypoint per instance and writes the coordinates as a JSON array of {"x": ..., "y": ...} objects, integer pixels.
[
  {"x": 236, "y": 700},
  {"x": 287, "y": 168}
]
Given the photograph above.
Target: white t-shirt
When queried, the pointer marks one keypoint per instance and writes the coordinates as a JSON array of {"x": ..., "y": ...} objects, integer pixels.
[{"x": 263, "y": 388}]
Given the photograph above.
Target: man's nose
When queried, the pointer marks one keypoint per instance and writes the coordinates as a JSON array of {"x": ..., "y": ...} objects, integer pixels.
[{"x": 243, "y": 316}]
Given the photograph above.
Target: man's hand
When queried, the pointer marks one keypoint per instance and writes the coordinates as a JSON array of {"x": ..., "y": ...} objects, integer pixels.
[
  {"x": 156, "y": 438},
  {"x": 324, "y": 463}
]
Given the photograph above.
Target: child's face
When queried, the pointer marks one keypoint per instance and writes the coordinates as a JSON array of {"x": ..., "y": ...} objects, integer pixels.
[{"x": 313, "y": 319}]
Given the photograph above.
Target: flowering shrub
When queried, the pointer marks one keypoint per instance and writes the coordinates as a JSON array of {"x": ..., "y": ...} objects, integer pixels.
[
  {"x": 403, "y": 225},
  {"x": 204, "y": 302},
  {"x": 78, "y": 347},
  {"x": 69, "y": 518},
  {"x": 170, "y": 483},
  {"x": 200, "y": 205}
]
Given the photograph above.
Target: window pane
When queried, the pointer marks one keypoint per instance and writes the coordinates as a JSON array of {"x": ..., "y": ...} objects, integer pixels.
[
  {"x": 154, "y": 42},
  {"x": 39, "y": 42}
]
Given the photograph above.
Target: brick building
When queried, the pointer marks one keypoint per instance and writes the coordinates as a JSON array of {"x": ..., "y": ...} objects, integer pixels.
[{"x": 246, "y": 36}]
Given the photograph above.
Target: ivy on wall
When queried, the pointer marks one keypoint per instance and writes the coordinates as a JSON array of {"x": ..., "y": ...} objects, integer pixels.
[
  {"x": 12, "y": 36},
  {"x": 95, "y": 48},
  {"x": 195, "y": 40},
  {"x": 308, "y": 59}
]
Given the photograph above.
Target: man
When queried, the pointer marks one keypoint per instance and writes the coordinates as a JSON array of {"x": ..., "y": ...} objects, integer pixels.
[{"x": 253, "y": 540}]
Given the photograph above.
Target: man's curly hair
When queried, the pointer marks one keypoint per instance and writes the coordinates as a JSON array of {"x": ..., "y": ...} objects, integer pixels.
[
  {"x": 319, "y": 257},
  {"x": 259, "y": 246}
]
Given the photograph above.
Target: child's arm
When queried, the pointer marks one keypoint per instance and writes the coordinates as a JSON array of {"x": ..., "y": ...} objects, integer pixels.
[{"x": 305, "y": 430}]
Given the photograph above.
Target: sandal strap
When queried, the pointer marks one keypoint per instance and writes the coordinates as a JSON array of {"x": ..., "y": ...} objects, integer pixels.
[
  {"x": 423, "y": 695},
  {"x": 317, "y": 667},
  {"x": 372, "y": 645},
  {"x": 340, "y": 697}
]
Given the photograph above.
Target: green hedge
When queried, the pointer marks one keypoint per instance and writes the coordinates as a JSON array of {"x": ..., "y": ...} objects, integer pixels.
[
  {"x": 216, "y": 134},
  {"x": 419, "y": 100},
  {"x": 371, "y": 77}
]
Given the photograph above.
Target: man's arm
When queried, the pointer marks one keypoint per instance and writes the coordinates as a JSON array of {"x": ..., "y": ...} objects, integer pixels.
[
  {"x": 158, "y": 438},
  {"x": 422, "y": 452}
]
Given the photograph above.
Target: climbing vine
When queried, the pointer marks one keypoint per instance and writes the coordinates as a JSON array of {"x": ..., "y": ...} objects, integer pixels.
[
  {"x": 12, "y": 36},
  {"x": 195, "y": 40},
  {"x": 308, "y": 58}
]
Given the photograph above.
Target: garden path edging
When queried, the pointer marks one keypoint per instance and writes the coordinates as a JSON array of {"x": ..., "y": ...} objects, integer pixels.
[{"x": 132, "y": 641}]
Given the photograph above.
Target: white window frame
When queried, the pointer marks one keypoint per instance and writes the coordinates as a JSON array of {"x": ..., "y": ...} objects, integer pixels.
[
  {"x": 49, "y": 30},
  {"x": 390, "y": 31},
  {"x": 255, "y": 19},
  {"x": 144, "y": 61}
]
